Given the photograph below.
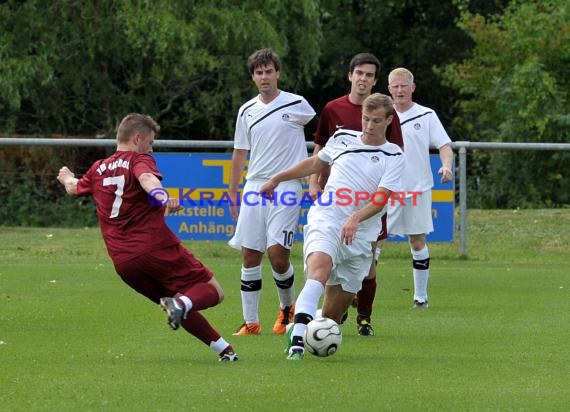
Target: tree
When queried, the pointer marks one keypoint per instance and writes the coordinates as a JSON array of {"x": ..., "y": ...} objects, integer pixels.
[
  {"x": 417, "y": 34},
  {"x": 514, "y": 87},
  {"x": 77, "y": 66}
]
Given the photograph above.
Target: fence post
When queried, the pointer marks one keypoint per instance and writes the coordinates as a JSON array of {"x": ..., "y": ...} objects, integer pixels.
[{"x": 463, "y": 200}]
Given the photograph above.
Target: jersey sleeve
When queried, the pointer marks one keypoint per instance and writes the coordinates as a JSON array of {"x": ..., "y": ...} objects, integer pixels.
[
  {"x": 306, "y": 112},
  {"x": 391, "y": 177},
  {"x": 438, "y": 137},
  {"x": 241, "y": 140},
  {"x": 322, "y": 134},
  {"x": 327, "y": 153},
  {"x": 394, "y": 131},
  {"x": 85, "y": 184},
  {"x": 145, "y": 163}
]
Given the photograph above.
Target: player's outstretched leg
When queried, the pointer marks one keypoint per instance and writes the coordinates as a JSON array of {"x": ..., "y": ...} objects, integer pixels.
[{"x": 197, "y": 325}]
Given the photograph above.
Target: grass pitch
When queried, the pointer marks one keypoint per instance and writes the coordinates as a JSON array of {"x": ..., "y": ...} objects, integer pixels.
[{"x": 73, "y": 337}]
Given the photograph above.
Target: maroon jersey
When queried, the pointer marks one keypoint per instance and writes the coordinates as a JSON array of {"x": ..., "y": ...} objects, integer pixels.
[
  {"x": 342, "y": 114},
  {"x": 131, "y": 225}
]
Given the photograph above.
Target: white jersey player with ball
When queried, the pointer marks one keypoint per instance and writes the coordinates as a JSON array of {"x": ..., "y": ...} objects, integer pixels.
[{"x": 365, "y": 170}]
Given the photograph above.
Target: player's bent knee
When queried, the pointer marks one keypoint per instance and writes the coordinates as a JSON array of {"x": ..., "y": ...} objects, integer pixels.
[
  {"x": 218, "y": 288},
  {"x": 417, "y": 243}
]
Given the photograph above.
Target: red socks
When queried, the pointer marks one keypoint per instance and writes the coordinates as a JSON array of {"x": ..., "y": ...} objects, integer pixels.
[{"x": 365, "y": 300}]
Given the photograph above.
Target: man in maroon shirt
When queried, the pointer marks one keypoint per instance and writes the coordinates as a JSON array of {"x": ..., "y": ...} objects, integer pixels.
[
  {"x": 346, "y": 113},
  {"x": 148, "y": 257}
]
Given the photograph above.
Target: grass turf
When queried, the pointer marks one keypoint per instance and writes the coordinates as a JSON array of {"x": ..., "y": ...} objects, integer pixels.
[{"x": 496, "y": 335}]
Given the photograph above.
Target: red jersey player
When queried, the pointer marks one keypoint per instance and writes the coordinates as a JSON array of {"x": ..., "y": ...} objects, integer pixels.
[{"x": 147, "y": 255}]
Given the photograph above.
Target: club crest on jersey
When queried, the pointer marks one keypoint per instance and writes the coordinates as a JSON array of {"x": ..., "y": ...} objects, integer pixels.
[
  {"x": 285, "y": 117},
  {"x": 375, "y": 159},
  {"x": 417, "y": 126}
]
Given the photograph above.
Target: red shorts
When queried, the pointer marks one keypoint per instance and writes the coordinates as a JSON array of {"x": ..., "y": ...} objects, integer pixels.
[
  {"x": 384, "y": 233},
  {"x": 163, "y": 272}
]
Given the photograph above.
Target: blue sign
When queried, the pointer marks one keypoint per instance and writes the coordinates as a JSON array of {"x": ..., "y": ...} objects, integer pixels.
[
  {"x": 200, "y": 181},
  {"x": 442, "y": 208}
]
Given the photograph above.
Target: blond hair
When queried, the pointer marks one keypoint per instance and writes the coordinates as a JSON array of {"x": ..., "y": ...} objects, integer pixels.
[
  {"x": 134, "y": 123},
  {"x": 379, "y": 101},
  {"x": 401, "y": 71}
]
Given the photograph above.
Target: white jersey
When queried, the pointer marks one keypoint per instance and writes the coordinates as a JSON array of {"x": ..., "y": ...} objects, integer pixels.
[
  {"x": 355, "y": 168},
  {"x": 273, "y": 133},
  {"x": 420, "y": 128}
]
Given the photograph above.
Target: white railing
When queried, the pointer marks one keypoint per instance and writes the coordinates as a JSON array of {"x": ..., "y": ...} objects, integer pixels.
[{"x": 461, "y": 147}]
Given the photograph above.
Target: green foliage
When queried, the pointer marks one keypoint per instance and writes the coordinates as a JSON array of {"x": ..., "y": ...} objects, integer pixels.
[
  {"x": 493, "y": 70},
  {"x": 79, "y": 66},
  {"x": 415, "y": 34},
  {"x": 514, "y": 87},
  {"x": 30, "y": 193}
]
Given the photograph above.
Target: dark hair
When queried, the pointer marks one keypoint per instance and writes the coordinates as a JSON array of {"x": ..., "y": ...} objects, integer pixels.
[
  {"x": 365, "y": 58},
  {"x": 263, "y": 57}
]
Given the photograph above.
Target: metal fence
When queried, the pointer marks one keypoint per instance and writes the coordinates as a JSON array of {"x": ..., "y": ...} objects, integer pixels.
[{"x": 461, "y": 147}]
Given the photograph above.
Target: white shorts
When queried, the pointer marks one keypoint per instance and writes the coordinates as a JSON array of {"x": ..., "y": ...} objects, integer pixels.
[
  {"x": 350, "y": 263},
  {"x": 262, "y": 223},
  {"x": 412, "y": 219}
]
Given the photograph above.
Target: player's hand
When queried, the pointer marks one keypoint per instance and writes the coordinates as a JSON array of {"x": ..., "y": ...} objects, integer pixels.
[
  {"x": 233, "y": 205},
  {"x": 64, "y": 175},
  {"x": 445, "y": 173},
  {"x": 348, "y": 231},
  {"x": 172, "y": 205},
  {"x": 268, "y": 189},
  {"x": 314, "y": 190}
]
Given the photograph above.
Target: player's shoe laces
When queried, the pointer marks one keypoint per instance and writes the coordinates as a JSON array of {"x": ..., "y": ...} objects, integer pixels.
[
  {"x": 248, "y": 329},
  {"x": 365, "y": 328},
  {"x": 285, "y": 317},
  {"x": 228, "y": 357},
  {"x": 420, "y": 305},
  {"x": 296, "y": 354},
  {"x": 174, "y": 311}
]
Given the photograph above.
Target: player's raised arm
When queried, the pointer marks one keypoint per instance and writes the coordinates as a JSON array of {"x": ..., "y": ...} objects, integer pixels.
[{"x": 304, "y": 168}]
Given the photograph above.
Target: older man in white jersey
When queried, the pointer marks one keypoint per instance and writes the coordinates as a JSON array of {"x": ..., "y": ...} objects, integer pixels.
[
  {"x": 272, "y": 127},
  {"x": 421, "y": 128}
]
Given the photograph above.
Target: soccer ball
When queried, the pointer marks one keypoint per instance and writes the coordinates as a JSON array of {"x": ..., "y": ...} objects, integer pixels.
[{"x": 322, "y": 337}]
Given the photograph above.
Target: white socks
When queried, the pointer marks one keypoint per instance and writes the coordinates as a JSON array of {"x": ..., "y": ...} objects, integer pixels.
[
  {"x": 187, "y": 304},
  {"x": 250, "y": 293},
  {"x": 219, "y": 345},
  {"x": 285, "y": 286},
  {"x": 307, "y": 302},
  {"x": 421, "y": 273}
]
